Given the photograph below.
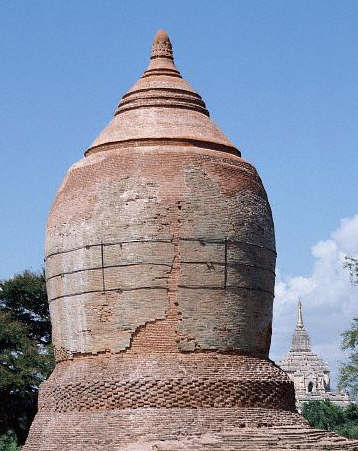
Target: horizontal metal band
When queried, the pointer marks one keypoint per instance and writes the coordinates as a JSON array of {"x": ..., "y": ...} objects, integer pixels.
[{"x": 201, "y": 240}]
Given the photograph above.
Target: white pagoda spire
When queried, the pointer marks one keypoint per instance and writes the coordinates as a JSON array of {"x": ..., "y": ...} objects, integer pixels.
[{"x": 299, "y": 316}]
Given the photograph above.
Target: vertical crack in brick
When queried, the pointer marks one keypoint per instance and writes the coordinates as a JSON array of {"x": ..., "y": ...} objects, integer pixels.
[
  {"x": 171, "y": 315},
  {"x": 173, "y": 312},
  {"x": 225, "y": 275},
  {"x": 102, "y": 265},
  {"x": 173, "y": 283}
]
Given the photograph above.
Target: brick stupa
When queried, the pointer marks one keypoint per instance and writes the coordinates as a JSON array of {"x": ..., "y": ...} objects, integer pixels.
[{"x": 160, "y": 265}]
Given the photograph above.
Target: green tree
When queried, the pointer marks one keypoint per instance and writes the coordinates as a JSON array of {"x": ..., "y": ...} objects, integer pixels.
[
  {"x": 8, "y": 442},
  {"x": 348, "y": 372},
  {"x": 26, "y": 357},
  {"x": 24, "y": 296},
  {"x": 350, "y": 427},
  {"x": 328, "y": 416},
  {"x": 323, "y": 414}
]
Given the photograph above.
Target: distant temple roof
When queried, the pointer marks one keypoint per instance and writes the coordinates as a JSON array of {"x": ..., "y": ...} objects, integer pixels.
[
  {"x": 310, "y": 373},
  {"x": 300, "y": 338},
  {"x": 301, "y": 358}
]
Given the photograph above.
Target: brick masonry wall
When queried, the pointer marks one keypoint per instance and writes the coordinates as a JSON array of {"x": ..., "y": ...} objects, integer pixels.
[
  {"x": 117, "y": 429},
  {"x": 193, "y": 380},
  {"x": 153, "y": 234},
  {"x": 174, "y": 429}
]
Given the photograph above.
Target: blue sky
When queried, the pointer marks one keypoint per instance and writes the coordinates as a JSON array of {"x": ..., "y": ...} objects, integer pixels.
[{"x": 279, "y": 78}]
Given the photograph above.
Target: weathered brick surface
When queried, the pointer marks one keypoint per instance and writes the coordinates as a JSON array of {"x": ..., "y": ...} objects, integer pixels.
[
  {"x": 181, "y": 210},
  {"x": 165, "y": 380},
  {"x": 174, "y": 429},
  {"x": 160, "y": 260}
]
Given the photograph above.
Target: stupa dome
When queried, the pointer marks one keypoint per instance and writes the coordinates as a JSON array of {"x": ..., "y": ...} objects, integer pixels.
[{"x": 162, "y": 201}]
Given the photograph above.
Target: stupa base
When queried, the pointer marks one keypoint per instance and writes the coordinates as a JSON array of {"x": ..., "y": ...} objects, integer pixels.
[
  {"x": 179, "y": 429},
  {"x": 97, "y": 403}
]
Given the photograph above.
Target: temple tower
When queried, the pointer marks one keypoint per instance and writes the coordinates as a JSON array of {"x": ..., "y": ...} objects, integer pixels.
[
  {"x": 309, "y": 373},
  {"x": 160, "y": 260}
]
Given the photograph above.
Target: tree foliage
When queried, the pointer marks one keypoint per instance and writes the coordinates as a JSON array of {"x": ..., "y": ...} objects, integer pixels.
[
  {"x": 26, "y": 357},
  {"x": 326, "y": 415},
  {"x": 351, "y": 263},
  {"x": 24, "y": 297},
  {"x": 348, "y": 372},
  {"x": 8, "y": 442}
]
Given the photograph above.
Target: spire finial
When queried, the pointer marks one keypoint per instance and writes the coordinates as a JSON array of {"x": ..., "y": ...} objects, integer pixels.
[
  {"x": 299, "y": 315},
  {"x": 162, "y": 47},
  {"x": 300, "y": 338}
]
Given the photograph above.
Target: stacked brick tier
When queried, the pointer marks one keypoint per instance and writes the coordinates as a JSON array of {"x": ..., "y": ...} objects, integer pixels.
[
  {"x": 166, "y": 380},
  {"x": 148, "y": 429}
]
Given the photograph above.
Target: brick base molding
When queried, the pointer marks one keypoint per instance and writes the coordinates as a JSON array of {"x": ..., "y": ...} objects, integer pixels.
[
  {"x": 174, "y": 392},
  {"x": 148, "y": 429}
]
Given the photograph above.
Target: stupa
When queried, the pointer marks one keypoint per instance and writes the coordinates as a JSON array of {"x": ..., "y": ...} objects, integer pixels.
[
  {"x": 309, "y": 373},
  {"x": 160, "y": 260}
]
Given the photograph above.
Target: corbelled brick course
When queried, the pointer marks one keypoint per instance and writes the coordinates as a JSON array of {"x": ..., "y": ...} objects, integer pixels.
[{"x": 199, "y": 380}]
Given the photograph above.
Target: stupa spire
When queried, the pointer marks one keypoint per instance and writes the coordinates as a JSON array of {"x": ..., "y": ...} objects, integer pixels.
[
  {"x": 299, "y": 316},
  {"x": 161, "y": 105},
  {"x": 162, "y": 59},
  {"x": 162, "y": 47},
  {"x": 300, "y": 338}
]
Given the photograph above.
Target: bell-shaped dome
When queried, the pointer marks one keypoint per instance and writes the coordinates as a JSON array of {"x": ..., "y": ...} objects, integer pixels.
[
  {"x": 162, "y": 106},
  {"x": 161, "y": 231}
]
